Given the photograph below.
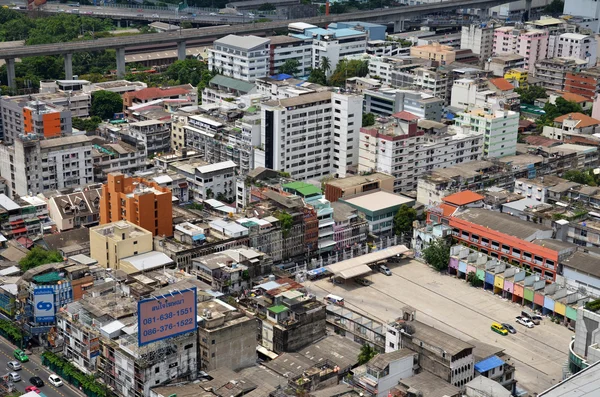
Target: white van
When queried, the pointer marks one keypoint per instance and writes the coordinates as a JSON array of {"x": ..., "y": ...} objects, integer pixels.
[{"x": 336, "y": 300}]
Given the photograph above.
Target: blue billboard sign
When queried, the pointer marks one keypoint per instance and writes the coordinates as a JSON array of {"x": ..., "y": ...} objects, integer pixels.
[
  {"x": 43, "y": 305},
  {"x": 167, "y": 316}
]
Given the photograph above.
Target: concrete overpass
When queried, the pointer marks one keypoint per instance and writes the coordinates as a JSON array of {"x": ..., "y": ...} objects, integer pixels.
[{"x": 396, "y": 15}]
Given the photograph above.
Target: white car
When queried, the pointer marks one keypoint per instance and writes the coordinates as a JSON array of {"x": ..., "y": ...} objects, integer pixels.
[
  {"x": 55, "y": 381},
  {"x": 525, "y": 321},
  {"x": 212, "y": 14}
]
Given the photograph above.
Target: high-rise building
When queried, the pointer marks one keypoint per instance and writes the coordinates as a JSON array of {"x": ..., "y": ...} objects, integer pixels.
[
  {"x": 531, "y": 44},
  {"x": 311, "y": 135},
  {"x": 241, "y": 57},
  {"x": 478, "y": 38},
  {"x": 499, "y": 128},
  {"x": 32, "y": 165},
  {"x": 139, "y": 201},
  {"x": 21, "y": 116}
]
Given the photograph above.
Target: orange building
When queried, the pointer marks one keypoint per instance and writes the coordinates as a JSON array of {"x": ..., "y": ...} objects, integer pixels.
[
  {"x": 45, "y": 119},
  {"x": 138, "y": 201},
  {"x": 518, "y": 242},
  {"x": 585, "y": 82}
]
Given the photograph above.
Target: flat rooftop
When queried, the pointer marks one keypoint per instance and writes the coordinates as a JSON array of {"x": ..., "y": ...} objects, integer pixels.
[
  {"x": 378, "y": 201},
  {"x": 502, "y": 223},
  {"x": 343, "y": 183}
]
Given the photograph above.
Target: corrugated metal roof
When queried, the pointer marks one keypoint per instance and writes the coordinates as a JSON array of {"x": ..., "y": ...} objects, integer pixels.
[{"x": 488, "y": 363}]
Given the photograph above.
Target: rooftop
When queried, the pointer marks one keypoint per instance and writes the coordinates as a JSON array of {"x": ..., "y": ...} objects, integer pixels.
[
  {"x": 583, "y": 383},
  {"x": 243, "y": 42},
  {"x": 584, "y": 263},
  {"x": 358, "y": 180},
  {"x": 305, "y": 189},
  {"x": 502, "y": 84},
  {"x": 301, "y": 100},
  {"x": 231, "y": 83},
  {"x": 381, "y": 361},
  {"x": 503, "y": 223},
  {"x": 64, "y": 141},
  {"x": 148, "y": 261},
  {"x": 430, "y": 385},
  {"x": 584, "y": 120},
  {"x": 463, "y": 198},
  {"x": 378, "y": 201}
]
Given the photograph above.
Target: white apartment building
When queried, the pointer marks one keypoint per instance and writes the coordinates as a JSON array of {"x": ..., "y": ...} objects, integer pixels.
[
  {"x": 400, "y": 148},
  {"x": 333, "y": 44},
  {"x": 241, "y": 57},
  {"x": 478, "y": 38},
  {"x": 32, "y": 166},
  {"x": 213, "y": 180},
  {"x": 532, "y": 44},
  {"x": 499, "y": 129},
  {"x": 155, "y": 135},
  {"x": 387, "y": 101},
  {"x": 578, "y": 46},
  {"x": 311, "y": 135},
  {"x": 469, "y": 93},
  {"x": 284, "y": 48}
]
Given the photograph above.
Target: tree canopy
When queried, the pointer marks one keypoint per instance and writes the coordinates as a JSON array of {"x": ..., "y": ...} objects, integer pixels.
[
  {"x": 530, "y": 93},
  {"x": 105, "y": 104},
  {"x": 88, "y": 125},
  {"x": 346, "y": 69},
  {"x": 555, "y": 7},
  {"x": 366, "y": 354},
  {"x": 38, "y": 256},
  {"x": 585, "y": 177},
  {"x": 437, "y": 254},
  {"x": 403, "y": 219},
  {"x": 267, "y": 7},
  {"x": 291, "y": 67},
  {"x": 559, "y": 108},
  {"x": 368, "y": 119}
]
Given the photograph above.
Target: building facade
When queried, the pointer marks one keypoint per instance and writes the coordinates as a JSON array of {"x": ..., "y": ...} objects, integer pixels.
[{"x": 241, "y": 57}]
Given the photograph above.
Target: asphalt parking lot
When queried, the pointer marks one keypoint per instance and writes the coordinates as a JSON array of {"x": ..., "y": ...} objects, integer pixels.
[{"x": 442, "y": 301}]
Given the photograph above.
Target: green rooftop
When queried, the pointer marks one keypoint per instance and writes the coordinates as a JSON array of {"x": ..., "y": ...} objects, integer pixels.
[
  {"x": 302, "y": 188},
  {"x": 47, "y": 278},
  {"x": 278, "y": 309},
  {"x": 232, "y": 84}
]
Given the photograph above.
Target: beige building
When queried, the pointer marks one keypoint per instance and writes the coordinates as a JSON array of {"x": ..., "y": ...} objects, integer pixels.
[
  {"x": 111, "y": 242},
  {"x": 344, "y": 187},
  {"x": 435, "y": 52}
]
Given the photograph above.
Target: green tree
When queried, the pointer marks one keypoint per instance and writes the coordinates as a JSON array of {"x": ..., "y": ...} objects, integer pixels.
[
  {"x": 267, "y": 7},
  {"x": 555, "y": 7},
  {"x": 346, "y": 69},
  {"x": 437, "y": 254},
  {"x": 559, "y": 108},
  {"x": 38, "y": 256},
  {"x": 474, "y": 280},
  {"x": 189, "y": 71},
  {"x": 88, "y": 125},
  {"x": 585, "y": 177},
  {"x": 291, "y": 67},
  {"x": 403, "y": 220},
  {"x": 286, "y": 221},
  {"x": 325, "y": 65},
  {"x": 317, "y": 76},
  {"x": 368, "y": 119},
  {"x": 366, "y": 354},
  {"x": 105, "y": 104},
  {"x": 530, "y": 93},
  {"x": 186, "y": 25}
]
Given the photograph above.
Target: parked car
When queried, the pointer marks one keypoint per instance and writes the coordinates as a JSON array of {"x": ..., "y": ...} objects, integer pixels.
[
  {"x": 32, "y": 388},
  {"x": 155, "y": 16},
  {"x": 532, "y": 316},
  {"x": 213, "y": 14},
  {"x": 55, "y": 380},
  {"x": 525, "y": 321},
  {"x": 20, "y": 355},
  {"x": 509, "y": 328},
  {"x": 362, "y": 281},
  {"x": 14, "y": 377},
  {"x": 14, "y": 365},
  {"x": 385, "y": 270}
]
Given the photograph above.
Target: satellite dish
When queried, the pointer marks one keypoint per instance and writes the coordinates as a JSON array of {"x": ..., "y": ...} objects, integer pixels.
[{"x": 596, "y": 171}]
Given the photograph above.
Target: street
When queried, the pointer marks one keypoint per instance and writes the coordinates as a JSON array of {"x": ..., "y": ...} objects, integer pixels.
[
  {"x": 32, "y": 368},
  {"x": 453, "y": 306}
]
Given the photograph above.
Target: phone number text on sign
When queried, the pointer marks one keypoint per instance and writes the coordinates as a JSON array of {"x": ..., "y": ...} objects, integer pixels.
[{"x": 166, "y": 316}]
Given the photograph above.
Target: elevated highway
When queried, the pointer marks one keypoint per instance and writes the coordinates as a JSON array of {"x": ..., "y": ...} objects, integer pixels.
[{"x": 396, "y": 15}]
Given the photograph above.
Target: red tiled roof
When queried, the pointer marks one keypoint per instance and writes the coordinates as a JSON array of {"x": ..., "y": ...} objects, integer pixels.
[
  {"x": 156, "y": 92},
  {"x": 502, "y": 84},
  {"x": 538, "y": 140},
  {"x": 569, "y": 96},
  {"x": 463, "y": 198},
  {"x": 404, "y": 115},
  {"x": 447, "y": 209},
  {"x": 584, "y": 120}
]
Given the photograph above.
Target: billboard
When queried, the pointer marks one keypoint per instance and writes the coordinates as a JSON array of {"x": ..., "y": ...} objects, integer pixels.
[
  {"x": 167, "y": 316},
  {"x": 43, "y": 305}
]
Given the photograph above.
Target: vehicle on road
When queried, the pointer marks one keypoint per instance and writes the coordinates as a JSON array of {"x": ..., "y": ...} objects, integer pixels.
[
  {"x": 55, "y": 381},
  {"x": 155, "y": 16},
  {"x": 362, "y": 281},
  {"x": 14, "y": 377},
  {"x": 525, "y": 321},
  {"x": 14, "y": 365},
  {"x": 213, "y": 14},
  {"x": 336, "y": 300},
  {"x": 240, "y": 14},
  {"x": 498, "y": 328},
  {"x": 385, "y": 270},
  {"x": 32, "y": 388},
  {"x": 36, "y": 381},
  {"x": 20, "y": 355},
  {"x": 531, "y": 316},
  {"x": 509, "y": 328}
]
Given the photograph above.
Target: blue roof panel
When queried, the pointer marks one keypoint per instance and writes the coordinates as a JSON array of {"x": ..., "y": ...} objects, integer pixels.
[{"x": 488, "y": 363}]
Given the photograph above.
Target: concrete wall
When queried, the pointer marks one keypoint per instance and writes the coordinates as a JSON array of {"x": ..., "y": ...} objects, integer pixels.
[{"x": 234, "y": 347}]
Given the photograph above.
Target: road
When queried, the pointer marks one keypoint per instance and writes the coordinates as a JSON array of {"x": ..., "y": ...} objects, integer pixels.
[
  {"x": 451, "y": 305},
  {"x": 33, "y": 368}
]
